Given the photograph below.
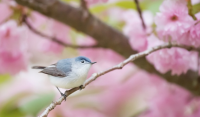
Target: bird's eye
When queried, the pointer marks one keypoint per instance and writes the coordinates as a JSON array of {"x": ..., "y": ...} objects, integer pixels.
[{"x": 82, "y": 61}]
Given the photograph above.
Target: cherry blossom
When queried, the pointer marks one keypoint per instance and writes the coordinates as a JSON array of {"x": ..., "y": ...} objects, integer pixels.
[
  {"x": 134, "y": 30},
  {"x": 13, "y": 50},
  {"x": 173, "y": 20},
  {"x": 178, "y": 60},
  {"x": 5, "y": 12}
]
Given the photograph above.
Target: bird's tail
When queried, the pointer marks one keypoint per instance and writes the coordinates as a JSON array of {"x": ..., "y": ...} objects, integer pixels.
[{"x": 38, "y": 67}]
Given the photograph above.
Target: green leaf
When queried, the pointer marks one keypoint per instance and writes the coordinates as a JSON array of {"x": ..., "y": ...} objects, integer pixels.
[
  {"x": 99, "y": 8},
  {"x": 196, "y": 8},
  {"x": 4, "y": 78},
  {"x": 126, "y": 4},
  {"x": 10, "y": 107},
  {"x": 153, "y": 7},
  {"x": 144, "y": 5},
  {"x": 103, "y": 7},
  {"x": 35, "y": 105}
]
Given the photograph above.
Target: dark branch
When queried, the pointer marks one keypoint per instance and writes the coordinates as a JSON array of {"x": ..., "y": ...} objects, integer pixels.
[
  {"x": 24, "y": 20},
  {"x": 140, "y": 13}
]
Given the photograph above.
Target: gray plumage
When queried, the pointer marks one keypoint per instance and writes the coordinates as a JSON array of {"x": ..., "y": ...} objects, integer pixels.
[
  {"x": 53, "y": 71},
  {"x": 61, "y": 69},
  {"x": 65, "y": 65}
]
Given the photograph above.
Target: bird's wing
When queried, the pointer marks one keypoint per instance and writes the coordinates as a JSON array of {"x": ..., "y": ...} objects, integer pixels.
[{"x": 53, "y": 71}]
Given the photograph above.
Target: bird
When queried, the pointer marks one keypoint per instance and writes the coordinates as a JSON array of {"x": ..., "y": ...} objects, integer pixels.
[{"x": 67, "y": 73}]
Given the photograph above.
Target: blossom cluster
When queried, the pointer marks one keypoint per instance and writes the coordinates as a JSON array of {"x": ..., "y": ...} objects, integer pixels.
[
  {"x": 174, "y": 24},
  {"x": 19, "y": 45}
]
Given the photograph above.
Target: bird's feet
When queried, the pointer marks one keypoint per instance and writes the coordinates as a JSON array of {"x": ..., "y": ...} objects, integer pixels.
[
  {"x": 65, "y": 96},
  {"x": 81, "y": 87}
]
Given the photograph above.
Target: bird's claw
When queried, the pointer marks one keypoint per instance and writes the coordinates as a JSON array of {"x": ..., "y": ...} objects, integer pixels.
[
  {"x": 81, "y": 87},
  {"x": 65, "y": 96}
]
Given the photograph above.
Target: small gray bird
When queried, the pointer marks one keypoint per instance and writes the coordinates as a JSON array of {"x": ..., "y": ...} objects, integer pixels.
[{"x": 68, "y": 73}]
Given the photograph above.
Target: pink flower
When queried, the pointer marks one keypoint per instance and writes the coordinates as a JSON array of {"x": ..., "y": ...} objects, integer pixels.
[
  {"x": 153, "y": 41},
  {"x": 13, "y": 49},
  {"x": 192, "y": 36},
  {"x": 12, "y": 62},
  {"x": 177, "y": 60},
  {"x": 173, "y": 20},
  {"x": 5, "y": 12},
  {"x": 170, "y": 101},
  {"x": 197, "y": 15},
  {"x": 134, "y": 30}
]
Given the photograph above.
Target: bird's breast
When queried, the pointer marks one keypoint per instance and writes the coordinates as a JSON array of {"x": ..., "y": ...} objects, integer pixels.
[{"x": 74, "y": 79}]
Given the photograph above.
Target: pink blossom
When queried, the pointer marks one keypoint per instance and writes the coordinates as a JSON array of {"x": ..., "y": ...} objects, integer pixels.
[
  {"x": 153, "y": 41},
  {"x": 195, "y": 31},
  {"x": 177, "y": 60},
  {"x": 12, "y": 48},
  {"x": 197, "y": 15},
  {"x": 12, "y": 62},
  {"x": 192, "y": 36},
  {"x": 134, "y": 30},
  {"x": 167, "y": 103},
  {"x": 173, "y": 20},
  {"x": 193, "y": 108},
  {"x": 5, "y": 12}
]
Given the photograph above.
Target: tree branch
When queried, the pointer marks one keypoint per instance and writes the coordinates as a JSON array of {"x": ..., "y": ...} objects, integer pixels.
[
  {"x": 140, "y": 13},
  {"x": 24, "y": 20},
  {"x": 119, "y": 66},
  {"x": 106, "y": 36}
]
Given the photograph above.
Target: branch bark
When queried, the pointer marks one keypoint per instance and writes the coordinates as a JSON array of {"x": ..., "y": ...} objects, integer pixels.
[
  {"x": 96, "y": 75},
  {"x": 106, "y": 36}
]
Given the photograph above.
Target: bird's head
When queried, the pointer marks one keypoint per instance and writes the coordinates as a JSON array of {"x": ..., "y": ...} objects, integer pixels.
[{"x": 82, "y": 61}]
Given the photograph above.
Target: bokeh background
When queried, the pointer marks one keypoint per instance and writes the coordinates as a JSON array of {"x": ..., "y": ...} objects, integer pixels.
[{"x": 128, "y": 92}]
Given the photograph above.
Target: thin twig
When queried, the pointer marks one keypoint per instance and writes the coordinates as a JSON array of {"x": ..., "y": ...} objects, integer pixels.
[
  {"x": 119, "y": 66},
  {"x": 24, "y": 19},
  {"x": 84, "y": 4},
  {"x": 140, "y": 13}
]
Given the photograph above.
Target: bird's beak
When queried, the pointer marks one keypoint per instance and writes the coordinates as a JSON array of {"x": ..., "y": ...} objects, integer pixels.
[{"x": 93, "y": 62}]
